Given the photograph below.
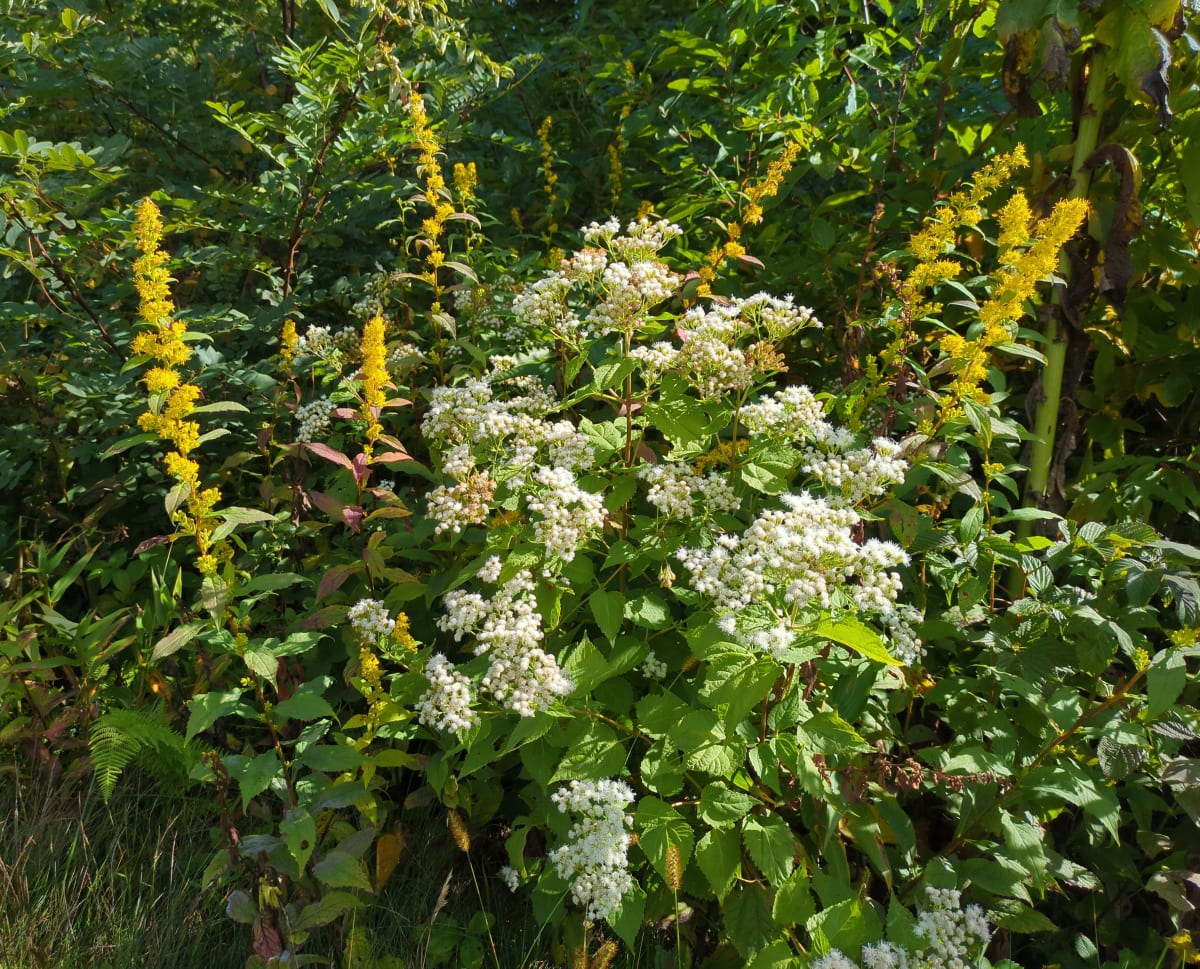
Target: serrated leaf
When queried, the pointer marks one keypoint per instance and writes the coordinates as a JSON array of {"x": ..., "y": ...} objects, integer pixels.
[
  {"x": 608, "y": 609},
  {"x": 661, "y": 827},
  {"x": 328, "y": 908},
  {"x": 771, "y": 845},
  {"x": 861, "y": 638},
  {"x": 721, "y": 805},
  {"x": 748, "y": 921},
  {"x": 1118, "y": 760},
  {"x": 719, "y": 857}
]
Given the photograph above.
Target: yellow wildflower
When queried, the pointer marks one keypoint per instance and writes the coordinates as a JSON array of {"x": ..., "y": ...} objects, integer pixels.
[
  {"x": 374, "y": 375},
  {"x": 288, "y": 340}
]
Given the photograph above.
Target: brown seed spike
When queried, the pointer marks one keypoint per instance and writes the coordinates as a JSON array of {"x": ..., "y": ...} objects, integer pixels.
[
  {"x": 458, "y": 830},
  {"x": 674, "y": 868},
  {"x": 605, "y": 955}
]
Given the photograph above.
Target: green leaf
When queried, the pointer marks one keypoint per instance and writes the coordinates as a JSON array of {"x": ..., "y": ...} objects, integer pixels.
[
  {"x": 254, "y": 776},
  {"x": 828, "y": 733},
  {"x": 1165, "y": 680},
  {"x": 331, "y": 758},
  {"x": 848, "y": 925},
  {"x": 596, "y": 753},
  {"x": 302, "y": 705},
  {"x": 262, "y": 662},
  {"x": 719, "y": 857},
  {"x": 608, "y": 609},
  {"x": 240, "y": 907},
  {"x": 748, "y": 921},
  {"x": 1023, "y": 920},
  {"x": 794, "y": 903},
  {"x": 244, "y": 516},
  {"x": 649, "y": 611},
  {"x": 662, "y": 769},
  {"x": 660, "y": 827},
  {"x": 176, "y": 639},
  {"x": 721, "y": 805},
  {"x": 204, "y": 710},
  {"x": 328, "y": 908},
  {"x": 771, "y": 846},
  {"x": 851, "y": 633},
  {"x": 778, "y": 955},
  {"x": 339, "y": 869},
  {"x": 628, "y": 920},
  {"x": 659, "y": 713},
  {"x": 299, "y": 831}
]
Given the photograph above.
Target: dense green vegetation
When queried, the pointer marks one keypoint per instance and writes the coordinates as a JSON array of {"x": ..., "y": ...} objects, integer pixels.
[{"x": 727, "y": 474}]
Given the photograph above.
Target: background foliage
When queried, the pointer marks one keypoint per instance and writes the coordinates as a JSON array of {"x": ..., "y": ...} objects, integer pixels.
[{"x": 1039, "y": 754}]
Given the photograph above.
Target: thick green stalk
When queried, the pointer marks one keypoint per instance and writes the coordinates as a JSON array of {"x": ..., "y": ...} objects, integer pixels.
[{"x": 1045, "y": 422}]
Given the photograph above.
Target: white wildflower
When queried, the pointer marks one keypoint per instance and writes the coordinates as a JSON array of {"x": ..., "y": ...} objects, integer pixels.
[
  {"x": 594, "y": 860},
  {"x": 446, "y": 705}
]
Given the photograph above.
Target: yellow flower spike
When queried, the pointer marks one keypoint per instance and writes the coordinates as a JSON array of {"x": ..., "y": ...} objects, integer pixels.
[
  {"x": 374, "y": 375},
  {"x": 289, "y": 339}
]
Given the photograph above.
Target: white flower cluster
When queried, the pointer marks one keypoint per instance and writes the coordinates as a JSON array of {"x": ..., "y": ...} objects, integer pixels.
[
  {"x": 656, "y": 359},
  {"x": 654, "y": 667},
  {"x": 468, "y": 417},
  {"x": 594, "y": 859},
  {"x": 370, "y": 621},
  {"x": 320, "y": 341},
  {"x": 793, "y": 556},
  {"x": 900, "y": 628},
  {"x": 710, "y": 357},
  {"x": 313, "y": 419},
  {"x": 510, "y": 877},
  {"x": 954, "y": 937},
  {"x": 544, "y": 305},
  {"x": 568, "y": 513},
  {"x": 674, "y": 488},
  {"x": 778, "y": 318},
  {"x": 630, "y": 290},
  {"x": 789, "y": 414},
  {"x": 854, "y": 475},
  {"x": 464, "y": 503},
  {"x": 508, "y": 627},
  {"x": 642, "y": 238},
  {"x": 446, "y": 705}
]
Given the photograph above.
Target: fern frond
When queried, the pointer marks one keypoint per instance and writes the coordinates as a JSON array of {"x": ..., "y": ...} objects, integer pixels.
[{"x": 117, "y": 738}]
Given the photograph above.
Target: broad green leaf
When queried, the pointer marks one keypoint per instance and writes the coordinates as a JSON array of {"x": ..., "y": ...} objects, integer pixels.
[
  {"x": 660, "y": 826},
  {"x": 299, "y": 831},
  {"x": 608, "y": 609},
  {"x": 302, "y": 706},
  {"x": 339, "y": 869},
  {"x": 719, "y": 857},
  {"x": 748, "y": 921},
  {"x": 851, "y": 633},
  {"x": 794, "y": 903},
  {"x": 722, "y": 805},
  {"x": 771, "y": 845},
  {"x": 205, "y": 709}
]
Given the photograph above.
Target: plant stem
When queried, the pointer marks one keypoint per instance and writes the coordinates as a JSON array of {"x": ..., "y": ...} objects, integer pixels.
[{"x": 1045, "y": 422}]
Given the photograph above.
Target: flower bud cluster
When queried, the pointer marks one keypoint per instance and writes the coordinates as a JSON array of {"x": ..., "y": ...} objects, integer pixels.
[
  {"x": 371, "y": 622},
  {"x": 508, "y": 628},
  {"x": 854, "y": 475},
  {"x": 792, "y": 557},
  {"x": 446, "y": 705},
  {"x": 594, "y": 860},
  {"x": 312, "y": 419},
  {"x": 321, "y": 341},
  {"x": 954, "y": 935},
  {"x": 675, "y": 487},
  {"x": 464, "y": 503},
  {"x": 568, "y": 513}
]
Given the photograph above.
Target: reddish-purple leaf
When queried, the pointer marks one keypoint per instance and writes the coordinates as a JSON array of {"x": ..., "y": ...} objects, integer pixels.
[
  {"x": 391, "y": 456},
  {"x": 329, "y": 454},
  {"x": 150, "y": 543},
  {"x": 327, "y": 503},
  {"x": 359, "y": 466},
  {"x": 353, "y": 516},
  {"x": 333, "y": 578}
]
